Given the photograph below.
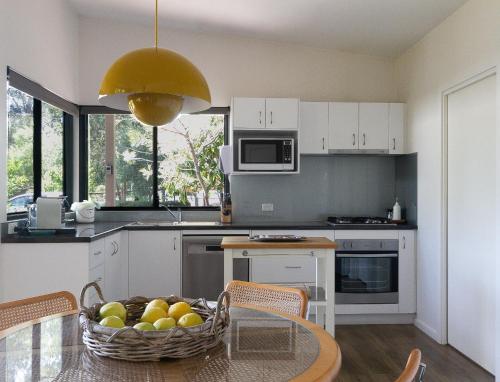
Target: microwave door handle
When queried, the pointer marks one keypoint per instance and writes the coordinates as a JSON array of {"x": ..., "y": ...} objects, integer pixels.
[{"x": 365, "y": 255}]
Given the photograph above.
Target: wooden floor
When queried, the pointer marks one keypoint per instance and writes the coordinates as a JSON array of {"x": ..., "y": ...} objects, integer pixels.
[{"x": 374, "y": 353}]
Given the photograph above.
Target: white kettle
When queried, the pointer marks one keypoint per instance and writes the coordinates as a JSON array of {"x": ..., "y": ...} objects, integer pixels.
[{"x": 84, "y": 211}]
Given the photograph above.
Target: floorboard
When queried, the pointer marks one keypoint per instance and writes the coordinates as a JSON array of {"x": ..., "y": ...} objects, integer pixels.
[{"x": 378, "y": 353}]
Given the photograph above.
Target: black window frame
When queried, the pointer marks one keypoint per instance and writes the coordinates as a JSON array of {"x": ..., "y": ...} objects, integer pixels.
[
  {"x": 86, "y": 110},
  {"x": 70, "y": 110}
]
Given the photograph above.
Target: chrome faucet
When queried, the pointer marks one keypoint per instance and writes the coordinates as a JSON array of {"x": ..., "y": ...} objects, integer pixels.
[{"x": 177, "y": 217}]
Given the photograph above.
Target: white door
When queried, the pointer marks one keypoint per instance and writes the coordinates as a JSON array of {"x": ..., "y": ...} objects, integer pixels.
[
  {"x": 373, "y": 126},
  {"x": 249, "y": 113},
  {"x": 282, "y": 113},
  {"x": 154, "y": 263},
  {"x": 471, "y": 221},
  {"x": 313, "y": 127},
  {"x": 343, "y": 126},
  {"x": 396, "y": 128}
]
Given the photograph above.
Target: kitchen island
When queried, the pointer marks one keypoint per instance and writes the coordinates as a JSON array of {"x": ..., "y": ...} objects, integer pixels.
[{"x": 323, "y": 249}]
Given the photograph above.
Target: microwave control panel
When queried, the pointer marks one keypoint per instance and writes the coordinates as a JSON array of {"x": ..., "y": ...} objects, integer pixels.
[{"x": 287, "y": 151}]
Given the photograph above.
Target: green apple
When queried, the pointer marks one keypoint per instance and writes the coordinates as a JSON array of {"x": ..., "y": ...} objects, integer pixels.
[
  {"x": 164, "y": 323},
  {"x": 144, "y": 326},
  {"x": 153, "y": 314},
  {"x": 113, "y": 309},
  {"x": 112, "y": 322}
]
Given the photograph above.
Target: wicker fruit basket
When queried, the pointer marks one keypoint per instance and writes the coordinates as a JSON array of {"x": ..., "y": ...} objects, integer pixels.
[{"x": 135, "y": 345}]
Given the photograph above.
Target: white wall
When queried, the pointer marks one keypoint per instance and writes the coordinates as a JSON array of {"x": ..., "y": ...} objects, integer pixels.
[
  {"x": 465, "y": 44},
  {"x": 40, "y": 41},
  {"x": 240, "y": 66}
]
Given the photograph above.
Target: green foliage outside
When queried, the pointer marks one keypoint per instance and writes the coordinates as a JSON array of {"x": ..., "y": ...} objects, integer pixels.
[{"x": 187, "y": 154}]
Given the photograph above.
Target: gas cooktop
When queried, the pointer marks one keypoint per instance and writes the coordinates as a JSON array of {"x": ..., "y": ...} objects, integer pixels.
[{"x": 359, "y": 220}]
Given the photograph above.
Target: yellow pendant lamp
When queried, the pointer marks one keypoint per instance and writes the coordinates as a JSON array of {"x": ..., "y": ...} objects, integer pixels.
[{"x": 154, "y": 84}]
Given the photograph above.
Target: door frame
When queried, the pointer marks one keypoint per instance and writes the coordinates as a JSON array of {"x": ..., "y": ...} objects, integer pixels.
[{"x": 444, "y": 191}]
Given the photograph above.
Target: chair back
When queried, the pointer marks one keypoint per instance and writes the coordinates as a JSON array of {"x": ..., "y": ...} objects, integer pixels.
[
  {"x": 16, "y": 312},
  {"x": 414, "y": 370},
  {"x": 282, "y": 299}
]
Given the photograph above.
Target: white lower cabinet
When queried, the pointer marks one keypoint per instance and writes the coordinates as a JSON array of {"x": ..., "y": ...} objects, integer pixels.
[
  {"x": 407, "y": 272},
  {"x": 116, "y": 266},
  {"x": 286, "y": 269},
  {"x": 154, "y": 263}
]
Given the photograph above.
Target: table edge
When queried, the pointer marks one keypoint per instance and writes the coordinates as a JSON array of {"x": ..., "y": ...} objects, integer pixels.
[{"x": 327, "y": 365}]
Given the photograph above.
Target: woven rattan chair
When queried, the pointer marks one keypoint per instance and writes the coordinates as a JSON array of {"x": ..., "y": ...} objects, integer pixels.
[
  {"x": 414, "y": 370},
  {"x": 17, "y": 312},
  {"x": 282, "y": 299}
]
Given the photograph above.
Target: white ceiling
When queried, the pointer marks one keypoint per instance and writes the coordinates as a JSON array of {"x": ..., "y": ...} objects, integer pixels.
[{"x": 378, "y": 27}]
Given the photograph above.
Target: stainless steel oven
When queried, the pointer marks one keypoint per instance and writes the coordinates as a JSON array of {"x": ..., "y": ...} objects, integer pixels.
[
  {"x": 366, "y": 271},
  {"x": 266, "y": 154}
]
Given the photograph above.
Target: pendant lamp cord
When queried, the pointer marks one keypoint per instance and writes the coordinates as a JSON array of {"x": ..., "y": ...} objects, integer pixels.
[{"x": 156, "y": 24}]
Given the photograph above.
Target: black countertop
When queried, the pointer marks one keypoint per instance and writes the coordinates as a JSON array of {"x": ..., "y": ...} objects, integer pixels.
[{"x": 97, "y": 230}]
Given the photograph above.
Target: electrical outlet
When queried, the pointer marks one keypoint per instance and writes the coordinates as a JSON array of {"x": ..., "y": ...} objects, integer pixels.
[{"x": 267, "y": 207}]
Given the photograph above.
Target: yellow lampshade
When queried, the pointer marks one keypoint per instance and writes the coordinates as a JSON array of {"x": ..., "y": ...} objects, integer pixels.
[{"x": 155, "y": 85}]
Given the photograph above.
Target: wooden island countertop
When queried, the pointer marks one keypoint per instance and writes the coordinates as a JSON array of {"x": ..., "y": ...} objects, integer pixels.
[{"x": 243, "y": 242}]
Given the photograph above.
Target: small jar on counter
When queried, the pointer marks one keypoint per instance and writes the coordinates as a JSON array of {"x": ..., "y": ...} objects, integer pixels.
[{"x": 226, "y": 209}]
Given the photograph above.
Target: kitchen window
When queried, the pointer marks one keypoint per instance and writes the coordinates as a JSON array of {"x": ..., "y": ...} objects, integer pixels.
[
  {"x": 39, "y": 151},
  {"x": 126, "y": 164}
]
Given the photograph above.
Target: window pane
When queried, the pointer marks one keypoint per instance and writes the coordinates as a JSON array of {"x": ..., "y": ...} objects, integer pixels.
[
  {"x": 20, "y": 150},
  {"x": 52, "y": 150},
  {"x": 126, "y": 145},
  {"x": 188, "y": 155}
]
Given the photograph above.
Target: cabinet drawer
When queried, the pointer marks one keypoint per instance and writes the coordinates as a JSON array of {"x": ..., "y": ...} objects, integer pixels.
[
  {"x": 288, "y": 269},
  {"x": 96, "y": 253}
]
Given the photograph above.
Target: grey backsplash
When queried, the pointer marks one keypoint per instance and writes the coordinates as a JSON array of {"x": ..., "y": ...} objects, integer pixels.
[{"x": 326, "y": 186}]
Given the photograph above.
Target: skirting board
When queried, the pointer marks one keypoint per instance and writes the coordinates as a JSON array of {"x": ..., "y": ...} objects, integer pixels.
[
  {"x": 428, "y": 330},
  {"x": 370, "y": 319}
]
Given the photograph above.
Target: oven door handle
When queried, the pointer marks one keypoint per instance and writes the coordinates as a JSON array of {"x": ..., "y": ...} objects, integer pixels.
[{"x": 365, "y": 255}]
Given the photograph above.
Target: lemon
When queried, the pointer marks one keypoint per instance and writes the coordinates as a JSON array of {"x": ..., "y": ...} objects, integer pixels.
[
  {"x": 113, "y": 309},
  {"x": 144, "y": 326},
  {"x": 158, "y": 303},
  {"x": 179, "y": 309},
  {"x": 153, "y": 314},
  {"x": 112, "y": 322},
  {"x": 190, "y": 319},
  {"x": 164, "y": 323}
]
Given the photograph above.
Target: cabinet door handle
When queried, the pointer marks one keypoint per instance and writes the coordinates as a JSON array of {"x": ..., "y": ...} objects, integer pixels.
[
  {"x": 323, "y": 143},
  {"x": 271, "y": 117},
  {"x": 115, "y": 248},
  {"x": 364, "y": 139},
  {"x": 292, "y": 267},
  {"x": 260, "y": 117},
  {"x": 394, "y": 143},
  {"x": 244, "y": 253},
  {"x": 97, "y": 253},
  {"x": 98, "y": 279},
  {"x": 353, "y": 139},
  {"x": 404, "y": 242},
  {"x": 175, "y": 240}
]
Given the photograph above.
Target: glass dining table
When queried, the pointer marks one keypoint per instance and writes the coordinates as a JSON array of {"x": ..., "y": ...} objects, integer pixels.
[{"x": 258, "y": 345}]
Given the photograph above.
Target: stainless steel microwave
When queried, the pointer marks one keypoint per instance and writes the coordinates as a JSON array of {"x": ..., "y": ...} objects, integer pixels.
[{"x": 266, "y": 154}]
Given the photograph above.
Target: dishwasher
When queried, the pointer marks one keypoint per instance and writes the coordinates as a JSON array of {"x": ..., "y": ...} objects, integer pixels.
[{"x": 203, "y": 267}]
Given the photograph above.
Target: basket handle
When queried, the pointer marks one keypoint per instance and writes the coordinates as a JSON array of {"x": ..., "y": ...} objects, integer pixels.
[
  {"x": 84, "y": 290},
  {"x": 222, "y": 299}
]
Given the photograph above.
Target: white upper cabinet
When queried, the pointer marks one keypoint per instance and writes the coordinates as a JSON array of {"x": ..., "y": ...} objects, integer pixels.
[
  {"x": 343, "y": 126},
  {"x": 396, "y": 128},
  {"x": 269, "y": 113},
  {"x": 249, "y": 113},
  {"x": 282, "y": 113},
  {"x": 313, "y": 133},
  {"x": 373, "y": 126}
]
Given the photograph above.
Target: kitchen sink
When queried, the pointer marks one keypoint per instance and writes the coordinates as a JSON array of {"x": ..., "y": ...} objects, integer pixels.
[{"x": 156, "y": 223}]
